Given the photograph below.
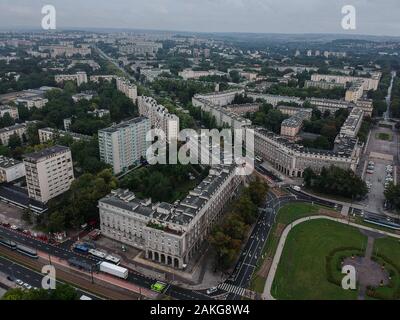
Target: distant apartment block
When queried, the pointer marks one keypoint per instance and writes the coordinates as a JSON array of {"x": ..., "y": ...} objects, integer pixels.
[
  {"x": 105, "y": 78},
  {"x": 48, "y": 134},
  {"x": 49, "y": 173},
  {"x": 353, "y": 123},
  {"x": 67, "y": 51},
  {"x": 79, "y": 78},
  {"x": 141, "y": 48},
  {"x": 274, "y": 100},
  {"x": 33, "y": 102},
  {"x": 194, "y": 74},
  {"x": 222, "y": 98},
  {"x": 159, "y": 117},
  {"x": 11, "y": 169},
  {"x": 367, "y": 83},
  {"x": 323, "y": 85},
  {"x": 291, "y": 127},
  {"x": 152, "y": 74},
  {"x": 7, "y": 132},
  {"x": 12, "y": 111},
  {"x": 124, "y": 144},
  {"x": 130, "y": 90}
]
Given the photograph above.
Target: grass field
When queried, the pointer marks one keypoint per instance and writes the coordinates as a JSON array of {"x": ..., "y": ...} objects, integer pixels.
[
  {"x": 301, "y": 272},
  {"x": 286, "y": 215},
  {"x": 384, "y": 136}
]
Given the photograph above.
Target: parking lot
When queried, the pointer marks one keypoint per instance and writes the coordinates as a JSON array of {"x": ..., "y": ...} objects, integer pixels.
[{"x": 12, "y": 215}]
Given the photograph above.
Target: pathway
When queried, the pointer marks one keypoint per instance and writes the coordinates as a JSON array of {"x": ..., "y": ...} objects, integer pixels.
[{"x": 272, "y": 271}]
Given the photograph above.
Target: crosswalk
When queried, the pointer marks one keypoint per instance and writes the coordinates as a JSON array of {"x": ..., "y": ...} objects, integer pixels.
[{"x": 232, "y": 289}]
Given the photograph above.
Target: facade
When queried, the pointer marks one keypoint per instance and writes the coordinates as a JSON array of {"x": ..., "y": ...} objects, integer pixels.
[
  {"x": 83, "y": 96},
  {"x": 220, "y": 98},
  {"x": 192, "y": 74},
  {"x": 98, "y": 78},
  {"x": 291, "y": 111},
  {"x": 274, "y": 99},
  {"x": 159, "y": 117},
  {"x": 128, "y": 89},
  {"x": 242, "y": 109},
  {"x": 12, "y": 111},
  {"x": 353, "y": 123},
  {"x": 355, "y": 92},
  {"x": 152, "y": 74},
  {"x": 291, "y": 127},
  {"x": 123, "y": 145},
  {"x": 367, "y": 83},
  {"x": 17, "y": 129},
  {"x": 323, "y": 85},
  {"x": 67, "y": 51},
  {"x": 47, "y": 134},
  {"x": 170, "y": 234},
  {"x": 141, "y": 48},
  {"x": 292, "y": 159},
  {"x": 32, "y": 102},
  {"x": 49, "y": 173},
  {"x": 79, "y": 78},
  {"x": 330, "y": 105},
  {"x": 11, "y": 169}
]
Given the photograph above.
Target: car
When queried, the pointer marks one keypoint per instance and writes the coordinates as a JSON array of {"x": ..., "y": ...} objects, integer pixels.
[
  {"x": 10, "y": 278},
  {"x": 27, "y": 286},
  {"x": 212, "y": 290},
  {"x": 19, "y": 282}
]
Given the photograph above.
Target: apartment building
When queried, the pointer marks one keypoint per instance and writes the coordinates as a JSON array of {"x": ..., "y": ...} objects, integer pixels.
[
  {"x": 291, "y": 127},
  {"x": 330, "y": 105},
  {"x": 159, "y": 117},
  {"x": 67, "y": 51},
  {"x": 367, "y": 83},
  {"x": 48, "y": 134},
  {"x": 323, "y": 85},
  {"x": 79, "y": 78},
  {"x": 7, "y": 132},
  {"x": 141, "y": 48},
  {"x": 274, "y": 99},
  {"x": 291, "y": 111},
  {"x": 151, "y": 74},
  {"x": 11, "y": 169},
  {"x": 243, "y": 109},
  {"x": 98, "y": 78},
  {"x": 124, "y": 144},
  {"x": 292, "y": 159},
  {"x": 128, "y": 89},
  {"x": 355, "y": 92},
  {"x": 222, "y": 98},
  {"x": 192, "y": 74},
  {"x": 32, "y": 102},
  {"x": 353, "y": 123},
  {"x": 49, "y": 173},
  {"x": 170, "y": 234},
  {"x": 12, "y": 111}
]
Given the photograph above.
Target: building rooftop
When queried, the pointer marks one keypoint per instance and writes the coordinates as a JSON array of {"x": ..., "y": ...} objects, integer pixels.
[{"x": 36, "y": 156}]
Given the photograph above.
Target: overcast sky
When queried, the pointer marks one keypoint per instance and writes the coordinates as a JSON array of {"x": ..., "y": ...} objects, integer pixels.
[{"x": 375, "y": 17}]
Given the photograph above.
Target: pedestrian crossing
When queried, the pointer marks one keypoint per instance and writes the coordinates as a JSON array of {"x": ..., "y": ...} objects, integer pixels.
[{"x": 232, "y": 289}]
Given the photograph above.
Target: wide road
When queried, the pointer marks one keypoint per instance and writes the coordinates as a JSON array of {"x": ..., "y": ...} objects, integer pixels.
[
  {"x": 63, "y": 253},
  {"x": 33, "y": 278}
]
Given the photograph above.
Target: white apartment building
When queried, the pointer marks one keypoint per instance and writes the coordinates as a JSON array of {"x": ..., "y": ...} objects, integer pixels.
[
  {"x": 124, "y": 144},
  {"x": 368, "y": 83},
  {"x": 49, "y": 173},
  {"x": 7, "y": 132},
  {"x": 98, "y": 78},
  {"x": 274, "y": 99},
  {"x": 130, "y": 90},
  {"x": 11, "y": 169},
  {"x": 12, "y": 111},
  {"x": 159, "y": 117},
  {"x": 220, "y": 98},
  {"x": 170, "y": 234},
  {"x": 79, "y": 78},
  {"x": 353, "y": 123},
  {"x": 194, "y": 74},
  {"x": 152, "y": 74},
  {"x": 32, "y": 102},
  {"x": 48, "y": 134}
]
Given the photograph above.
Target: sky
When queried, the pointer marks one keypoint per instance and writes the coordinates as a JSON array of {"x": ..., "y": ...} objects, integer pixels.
[{"x": 373, "y": 17}]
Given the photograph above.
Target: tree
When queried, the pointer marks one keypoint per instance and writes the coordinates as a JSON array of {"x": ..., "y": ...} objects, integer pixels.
[
  {"x": 392, "y": 194},
  {"x": 14, "y": 141}
]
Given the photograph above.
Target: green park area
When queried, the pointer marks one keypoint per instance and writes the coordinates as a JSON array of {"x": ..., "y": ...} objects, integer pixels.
[
  {"x": 286, "y": 215},
  {"x": 302, "y": 271},
  {"x": 384, "y": 136}
]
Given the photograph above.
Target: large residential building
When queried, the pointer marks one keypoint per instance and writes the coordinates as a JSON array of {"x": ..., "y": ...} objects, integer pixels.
[
  {"x": 130, "y": 90},
  {"x": 353, "y": 123},
  {"x": 243, "y": 109},
  {"x": 7, "y": 132},
  {"x": 323, "y": 85},
  {"x": 12, "y": 111},
  {"x": 123, "y": 145},
  {"x": 141, "y": 48},
  {"x": 159, "y": 116},
  {"x": 367, "y": 83},
  {"x": 274, "y": 99},
  {"x": 32, "y": 102},
  {"x": 47, "y": 134},
  {"x": 355, "y": 92},
  {"x": 152, "y": 74},
  {"x": 170, "y": 234},
  {"x": 67, "y": 51},
  {"x": 291, "y": 127},
  {"x": 292, "y": 159},
  {"x": 98, "y": 78},
  {"x": 79, "y": 78},
  {"x": 222, "y": 98},
  {"x": 330, "y": 105},
  {"x": 223, "y": 116},
  {"x": 193, "y": 74},
  {"x": 49, "y": 173},
  {"x": 11, "y": 169}
]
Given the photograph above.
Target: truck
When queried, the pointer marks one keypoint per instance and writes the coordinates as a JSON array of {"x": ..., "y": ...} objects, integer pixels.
[{"x": 114, "y": 270}]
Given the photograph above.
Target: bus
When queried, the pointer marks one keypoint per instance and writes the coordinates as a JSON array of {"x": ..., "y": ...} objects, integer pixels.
[
  {"x": 8, "y": 243},
  {"x": 97, "y": 253}
]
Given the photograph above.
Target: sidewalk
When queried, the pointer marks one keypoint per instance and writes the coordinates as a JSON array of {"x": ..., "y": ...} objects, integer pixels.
[{"x": 272, "y": 271}]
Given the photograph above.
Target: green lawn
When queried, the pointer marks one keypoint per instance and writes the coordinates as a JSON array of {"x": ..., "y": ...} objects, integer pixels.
[
  {"x": 301, "y": 272},
  {"x": 384, "y": 136},
  {"x": 287, "y": 214}
]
